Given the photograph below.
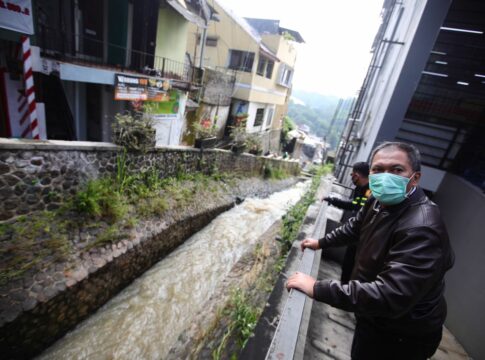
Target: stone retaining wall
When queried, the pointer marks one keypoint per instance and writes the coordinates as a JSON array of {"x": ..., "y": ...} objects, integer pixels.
[
  {"x": 34, "y": 330},
  {"x": 41, "y": 175},
  {"x": 40, "y": 308}
]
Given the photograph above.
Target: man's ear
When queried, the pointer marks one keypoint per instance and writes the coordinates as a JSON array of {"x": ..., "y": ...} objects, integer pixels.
[{"x": 415, "y": 179}]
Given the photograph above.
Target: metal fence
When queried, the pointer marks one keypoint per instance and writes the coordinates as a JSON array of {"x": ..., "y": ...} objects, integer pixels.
[{"x": 94, "y": 52}]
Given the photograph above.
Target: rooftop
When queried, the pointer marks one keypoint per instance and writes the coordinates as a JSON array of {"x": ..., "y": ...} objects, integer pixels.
[{"x": 267, "y": 26}]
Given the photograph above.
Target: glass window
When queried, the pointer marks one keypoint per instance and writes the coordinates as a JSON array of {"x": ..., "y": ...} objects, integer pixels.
[
  {"x": 269, "y": 69},
  {"x": 241, "y": 60},
  {"x": 258, "y": 121},
  {"x": 261, "y": 66}
]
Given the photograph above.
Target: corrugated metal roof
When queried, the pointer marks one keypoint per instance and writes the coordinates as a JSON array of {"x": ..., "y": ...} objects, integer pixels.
[{"x": 181, "y": 8}]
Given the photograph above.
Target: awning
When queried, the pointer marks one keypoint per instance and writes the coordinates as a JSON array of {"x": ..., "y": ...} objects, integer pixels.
[
  {"x": 187, "y": 14},
  {"x": 191, "y": 104}
]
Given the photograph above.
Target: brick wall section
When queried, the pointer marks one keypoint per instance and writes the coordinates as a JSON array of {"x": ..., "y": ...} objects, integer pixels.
[{"x": 42, "y": 175}]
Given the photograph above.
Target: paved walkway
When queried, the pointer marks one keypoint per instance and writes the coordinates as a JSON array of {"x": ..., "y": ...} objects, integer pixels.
[{"x": 330, "y": 331}]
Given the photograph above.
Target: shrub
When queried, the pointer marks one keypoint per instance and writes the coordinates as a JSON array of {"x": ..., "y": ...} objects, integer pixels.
[
  {"x": 205, "y": 129},
  {"x": 99, "y": 200},
  {"x": 134, "y": 132}
]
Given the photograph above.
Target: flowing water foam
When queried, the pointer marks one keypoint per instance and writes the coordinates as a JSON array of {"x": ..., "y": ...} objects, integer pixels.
[{"x": 145, "y": 319}]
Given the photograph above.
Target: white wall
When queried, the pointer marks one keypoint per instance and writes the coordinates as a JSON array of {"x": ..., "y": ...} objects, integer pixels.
[
  {"x": 253, "y": 107},
  {"x": 462, "y": 207},
  {"x": 431, "y": 178},
  {"x": 169, "y": 127}
]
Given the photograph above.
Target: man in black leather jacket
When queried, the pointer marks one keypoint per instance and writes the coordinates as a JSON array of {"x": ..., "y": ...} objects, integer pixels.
[
  {"x": 403, "y": 252},
  {"x": 360, "y": 178}
]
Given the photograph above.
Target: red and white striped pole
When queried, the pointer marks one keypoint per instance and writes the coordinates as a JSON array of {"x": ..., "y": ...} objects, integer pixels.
[{"x": 29, "y": 90}]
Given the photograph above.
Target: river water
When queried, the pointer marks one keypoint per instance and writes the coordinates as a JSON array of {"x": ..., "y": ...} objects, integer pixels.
[{"x": 145, "y": 319}]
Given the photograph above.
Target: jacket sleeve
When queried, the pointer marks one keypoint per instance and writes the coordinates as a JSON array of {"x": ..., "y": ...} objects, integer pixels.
[
  {"x": 413, "y": 265},
  {"x": 345, "y": 204},
  {"x": 346, "y": 234}
]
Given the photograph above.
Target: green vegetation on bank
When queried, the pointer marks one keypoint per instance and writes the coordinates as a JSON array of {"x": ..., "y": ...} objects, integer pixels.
[
  {"x": 102, "y": 212},
  {"x": 243, "y": 318},
  {"x": 288, "y": 125},
  {"x": 242, "y": 312},
  {"x": 270, "y": 172},
  {"x": 294, "y": 217}
]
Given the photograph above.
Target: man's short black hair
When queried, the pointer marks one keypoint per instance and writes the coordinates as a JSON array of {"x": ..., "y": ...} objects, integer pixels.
[
  {"x": 361, "y": 168},
  {"x": 412, "y": 152}
]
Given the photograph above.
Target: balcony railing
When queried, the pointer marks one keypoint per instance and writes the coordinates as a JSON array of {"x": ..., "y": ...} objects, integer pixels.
[{"x": 88, "y": 50}]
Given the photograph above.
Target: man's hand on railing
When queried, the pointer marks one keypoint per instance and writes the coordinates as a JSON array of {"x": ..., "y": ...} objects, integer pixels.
[
  {"x": 302, "y": 282},
  {"x": 310, "y": 244},
  {"x": 329, "y": 199}
]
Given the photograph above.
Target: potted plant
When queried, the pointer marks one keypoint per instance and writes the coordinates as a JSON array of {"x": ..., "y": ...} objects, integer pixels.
[
  {"x": 253, "y": 144},
  {"x": 239, "y": 136},
  {"x": 240, "y": 118},
  {"x": 205, "y": 134}
]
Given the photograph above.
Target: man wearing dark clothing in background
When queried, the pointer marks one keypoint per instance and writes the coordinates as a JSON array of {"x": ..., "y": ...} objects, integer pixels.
[{"x": 360, "y": 178}]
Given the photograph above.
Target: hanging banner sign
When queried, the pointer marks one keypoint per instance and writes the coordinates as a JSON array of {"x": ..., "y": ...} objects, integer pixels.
[
  {"x": 16, "y": 15},
  {"x": 158, "y": 90},
  {"x": 142, "y": 89},
  {"x": 130, "y": 88}
]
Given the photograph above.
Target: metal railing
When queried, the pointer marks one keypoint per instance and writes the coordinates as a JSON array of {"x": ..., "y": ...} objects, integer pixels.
[{"x": 94, "y": 52}]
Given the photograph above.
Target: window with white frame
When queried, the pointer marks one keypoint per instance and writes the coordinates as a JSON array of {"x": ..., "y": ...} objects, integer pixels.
[
  {"x": 258, "y": 120},
  {"x": 269, "y": 118},
  {"x": 285, "y": 75}
]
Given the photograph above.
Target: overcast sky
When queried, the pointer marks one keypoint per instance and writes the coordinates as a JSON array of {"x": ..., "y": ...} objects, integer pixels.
[{"x": 338, "y": 36}]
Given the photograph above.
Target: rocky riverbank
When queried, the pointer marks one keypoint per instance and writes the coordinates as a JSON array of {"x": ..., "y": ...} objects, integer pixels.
[{"x": 51, "y": 297}]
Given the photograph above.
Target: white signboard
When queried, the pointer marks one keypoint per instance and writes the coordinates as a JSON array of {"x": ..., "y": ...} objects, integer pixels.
[
  {"x": 168, "y": 129},
  {"x": 16, "y": 15}
]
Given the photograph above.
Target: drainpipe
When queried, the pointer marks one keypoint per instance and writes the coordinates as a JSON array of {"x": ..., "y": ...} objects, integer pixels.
[{"x": 202, "y": 45}]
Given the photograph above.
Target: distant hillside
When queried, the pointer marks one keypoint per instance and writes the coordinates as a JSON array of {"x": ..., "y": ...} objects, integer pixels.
[
  {"x": 317, "y": 112},
  {"x": 315, "y": 100}
]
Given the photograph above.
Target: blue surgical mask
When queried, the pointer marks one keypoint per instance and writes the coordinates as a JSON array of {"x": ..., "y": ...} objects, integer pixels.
[{"x": 388, "y": 188}]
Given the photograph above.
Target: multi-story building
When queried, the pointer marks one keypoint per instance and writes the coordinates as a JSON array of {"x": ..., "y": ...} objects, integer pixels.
[
  {"x": 91, "y": 59},
  {"x": 426, "y": 86},
  {"x": 262, "y": 55}
]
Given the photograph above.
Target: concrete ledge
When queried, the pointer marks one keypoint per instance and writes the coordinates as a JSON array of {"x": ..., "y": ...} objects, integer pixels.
[
  {"x": 282, "y": 310},
  {"x": 63, "y": 145},
  {"x": 26, "y": 144}
]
